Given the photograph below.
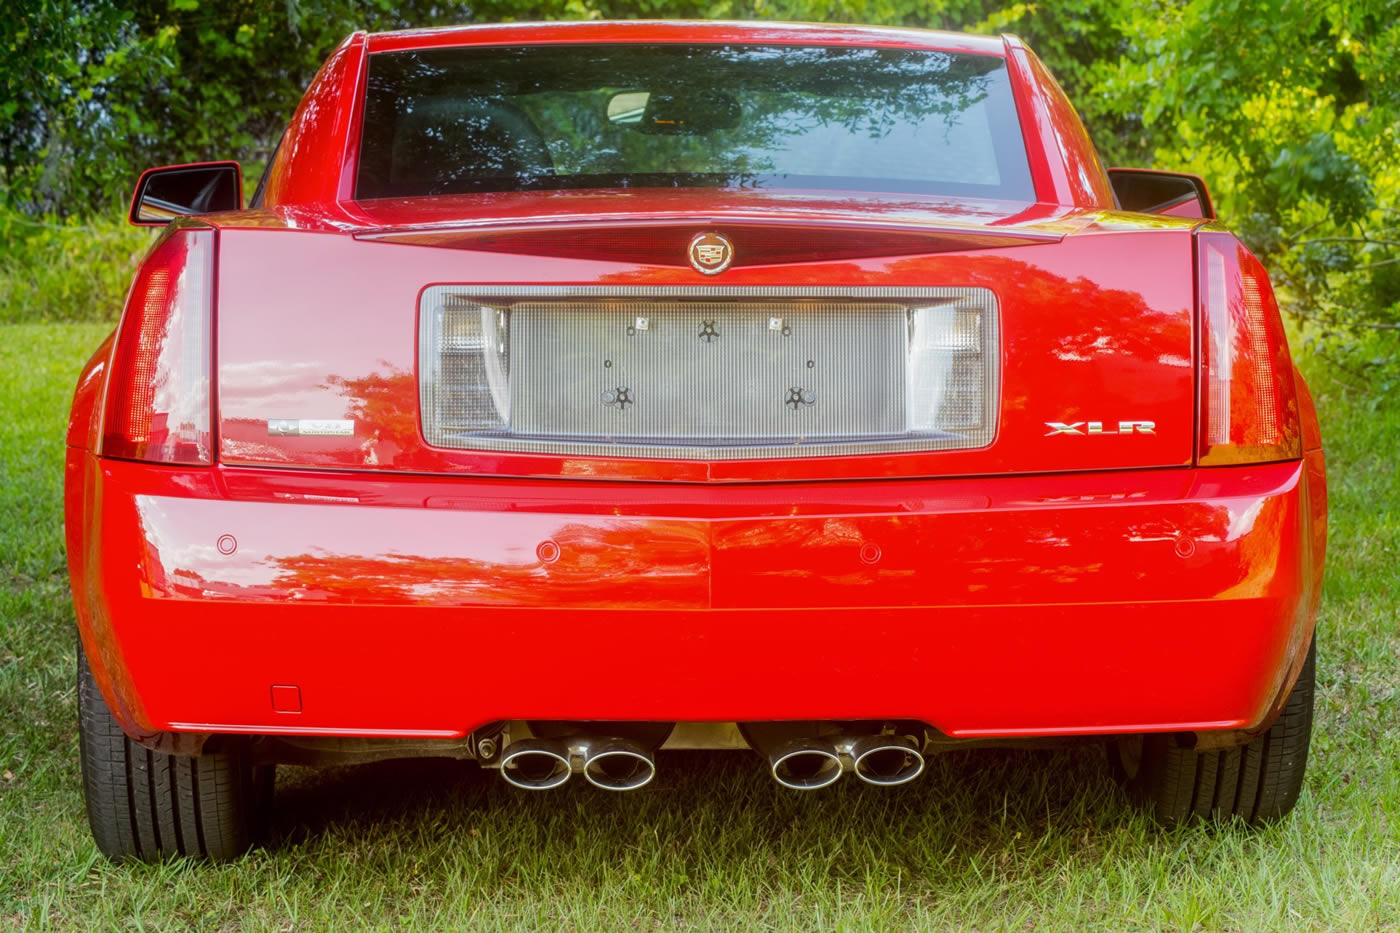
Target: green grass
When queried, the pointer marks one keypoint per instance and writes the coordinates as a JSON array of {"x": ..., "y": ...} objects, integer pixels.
[{"x": 985, "y": 840}]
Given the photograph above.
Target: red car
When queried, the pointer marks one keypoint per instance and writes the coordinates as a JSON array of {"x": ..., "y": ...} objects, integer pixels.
[{"x": 571, "y": 392}]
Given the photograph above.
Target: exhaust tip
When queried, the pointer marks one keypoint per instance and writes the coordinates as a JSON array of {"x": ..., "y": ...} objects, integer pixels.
[
  {"x": 806, "y": 766},
  {"x": 619, "y": 765},
  {"x": 886, "y": 760},
  {"x": 536, "y": 764}
]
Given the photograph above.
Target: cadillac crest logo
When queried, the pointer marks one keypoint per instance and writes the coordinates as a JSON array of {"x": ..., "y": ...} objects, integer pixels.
[{"x": 710, "y": 253}]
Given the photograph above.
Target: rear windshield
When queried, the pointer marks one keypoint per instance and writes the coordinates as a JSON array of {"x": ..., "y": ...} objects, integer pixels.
[{"x": 476, "y": 119}]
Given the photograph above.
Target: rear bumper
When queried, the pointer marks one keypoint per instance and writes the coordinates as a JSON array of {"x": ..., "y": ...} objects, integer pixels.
[{"x": 1071, "y": 604}]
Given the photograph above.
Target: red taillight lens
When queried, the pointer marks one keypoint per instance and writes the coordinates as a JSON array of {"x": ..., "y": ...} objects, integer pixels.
[
  {"x": 1249, "y": 405},
  {"x": 158, "y": 406}
]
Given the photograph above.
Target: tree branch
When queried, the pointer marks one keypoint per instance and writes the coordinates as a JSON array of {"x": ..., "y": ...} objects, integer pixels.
[
  {"x": 1294, "y": 236},
  {"x": 1349, "y": 239}
]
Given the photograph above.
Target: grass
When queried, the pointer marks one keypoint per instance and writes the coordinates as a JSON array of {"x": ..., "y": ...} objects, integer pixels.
[{"x": 986, "y": 840}]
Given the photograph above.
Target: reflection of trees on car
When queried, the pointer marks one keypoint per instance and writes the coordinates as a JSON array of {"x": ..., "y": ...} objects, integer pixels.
[
  {"x": 461, "y": 120},
  {"x": 388, "y": 401}
]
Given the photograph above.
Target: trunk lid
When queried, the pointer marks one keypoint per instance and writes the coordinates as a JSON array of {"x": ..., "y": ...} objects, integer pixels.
[{"x": 1083, "y": 322}]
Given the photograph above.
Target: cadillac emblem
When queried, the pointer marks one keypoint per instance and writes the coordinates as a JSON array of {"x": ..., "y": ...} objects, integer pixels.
[{"x": 710, "y": 253}]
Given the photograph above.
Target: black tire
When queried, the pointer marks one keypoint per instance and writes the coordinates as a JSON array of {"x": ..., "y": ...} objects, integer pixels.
[
  {"x": 147, "y": 805},
  {"x": 1258, "y": 782}
]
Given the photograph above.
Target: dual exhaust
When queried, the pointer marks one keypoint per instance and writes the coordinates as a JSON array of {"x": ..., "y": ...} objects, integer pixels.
[
  {"x": 799, "y": 764},
  {"x": 609, "y": 763},
  {"x": 809, "y": 764}
]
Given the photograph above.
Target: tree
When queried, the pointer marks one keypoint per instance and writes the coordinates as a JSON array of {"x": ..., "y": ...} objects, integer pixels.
[
  {"x": 96, "y": 90},
  {"x": 1289, "y": 108},
  {"x": 1292, "y": 112}
]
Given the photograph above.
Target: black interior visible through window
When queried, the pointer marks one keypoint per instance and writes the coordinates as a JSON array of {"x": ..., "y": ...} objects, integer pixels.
[{"x": 478, "y": 119}]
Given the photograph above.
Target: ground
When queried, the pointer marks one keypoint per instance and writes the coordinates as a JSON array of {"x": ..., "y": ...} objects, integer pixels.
[{"x": 985, "y": 840}]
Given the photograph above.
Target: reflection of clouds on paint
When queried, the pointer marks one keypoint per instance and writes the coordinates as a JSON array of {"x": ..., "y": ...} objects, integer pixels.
[
  {"x": 278, "y": 387},
  {"x": 153, "y": 521},
  {"x": 1242, "y": 522},
  {"x": 180, "y": 559}
]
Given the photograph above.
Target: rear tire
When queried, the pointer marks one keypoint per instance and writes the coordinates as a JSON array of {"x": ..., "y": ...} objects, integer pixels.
[
  {"x": 1258, "y": 782},
  {"x": 147, "y": 805}
]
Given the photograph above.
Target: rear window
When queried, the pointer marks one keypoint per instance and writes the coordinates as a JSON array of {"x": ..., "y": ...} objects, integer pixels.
[{"x": 478, "y": 119}]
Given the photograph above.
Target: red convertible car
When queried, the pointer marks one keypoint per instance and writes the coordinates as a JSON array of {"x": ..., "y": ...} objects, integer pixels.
[{"x": 571, "y": 392}]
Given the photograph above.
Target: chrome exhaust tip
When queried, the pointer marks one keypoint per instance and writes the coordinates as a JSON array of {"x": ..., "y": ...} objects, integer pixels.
[
  {"x": 805, "y": 764},
  {"x": 886, "y": 760},
  {"x": 617, "y": 764},
  {"x": 536, "y": 764}
]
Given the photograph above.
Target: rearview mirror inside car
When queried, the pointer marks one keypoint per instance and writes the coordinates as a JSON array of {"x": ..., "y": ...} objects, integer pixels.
[
  {"x": 628, "y": 107},
  {"x": 163, "y": 194},
  {"x": 675, "y": 113},
  {"x": 1172, "y": 194}
]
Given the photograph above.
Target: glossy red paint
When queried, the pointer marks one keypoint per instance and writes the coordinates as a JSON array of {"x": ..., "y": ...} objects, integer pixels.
[
  {"x": 666, "y": 243},
  {"x": 1064, "y": 163},
  {"x": 1041, "y": 585},
  {"x": 548, "y": 209},
  {"x": 688, "y": 31},
  {"x": 382, "y": 598},
  {"x": 83, "y": 423},
  {"x": 314, "y": 161},
  {"x": 1089, "y": 340}
]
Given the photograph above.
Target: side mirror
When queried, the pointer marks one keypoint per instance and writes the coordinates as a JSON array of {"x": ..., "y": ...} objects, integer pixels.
[
  {"x": 1172, "y": 194},
  {"x": 163, "y": 194}
]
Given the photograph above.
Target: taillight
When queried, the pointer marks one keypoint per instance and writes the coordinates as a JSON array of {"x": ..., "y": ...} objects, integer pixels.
[
  {"x": 1249, "y": 405},
  {"x": 158, "y": 406}
]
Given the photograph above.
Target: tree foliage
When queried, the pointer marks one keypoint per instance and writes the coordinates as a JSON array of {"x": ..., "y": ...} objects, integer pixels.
[{"x": 1289, "y": 108}]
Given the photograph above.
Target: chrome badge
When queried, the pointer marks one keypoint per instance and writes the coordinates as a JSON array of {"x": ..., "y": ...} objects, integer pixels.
[
  {"x": 710, "y": 253},
  {"x": 1097, "y": 427},
  {"x": 310, "y": 427}
]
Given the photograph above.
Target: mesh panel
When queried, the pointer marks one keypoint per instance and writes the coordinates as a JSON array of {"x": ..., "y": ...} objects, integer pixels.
[{"x": 707, "y": 373}]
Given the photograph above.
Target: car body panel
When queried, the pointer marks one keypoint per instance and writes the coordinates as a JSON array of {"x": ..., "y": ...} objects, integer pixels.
[
  {"x": 1071, "y": 172},
  {"x": 322, "y": 139},
  {"x": 1113, "y": 348},
  {"x": 1086, "y": 603},
  {"x": 686, "y": 31}
]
